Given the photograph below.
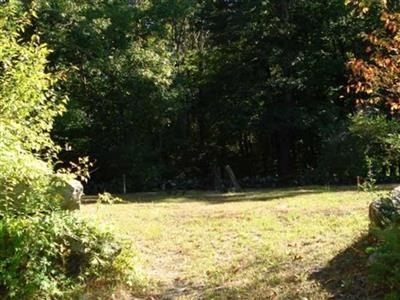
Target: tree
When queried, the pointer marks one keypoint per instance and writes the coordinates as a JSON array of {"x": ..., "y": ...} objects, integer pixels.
[
  {"x": 164, "y": 87},
  {"x": 117, "y": 74},
  {"x": 28, "y": 106},
  {"x": 38, "y": 240},
  {"x": 277, "y": 70},
  {"x": 375, "y": 77}
]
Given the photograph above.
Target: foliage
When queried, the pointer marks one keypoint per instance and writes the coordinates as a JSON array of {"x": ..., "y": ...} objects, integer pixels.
[
  {"x": 53, "y": 256},
  {"x": 117, "y": 75},
  {"x": 375, "y": 78},
  {"x": 366, "y": 146},
  {"x": 107, "y": 198},
  {"x": 385, "y": 266},
  {"x": 28, "y": 103},
  {"x": 369, "y": 183},
  {"x": 44, "y": 253},
  {"x": 379, "y": 139},
  {"x": 27, "y": 108},
  {"x": 164, "y": 87}
]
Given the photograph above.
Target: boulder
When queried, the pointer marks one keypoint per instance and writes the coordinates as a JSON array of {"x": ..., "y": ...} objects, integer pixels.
[
  {"x": 70, "y": 192},
  {"x": 386, "y": 210},
  {"x": 396, "y": 196}
]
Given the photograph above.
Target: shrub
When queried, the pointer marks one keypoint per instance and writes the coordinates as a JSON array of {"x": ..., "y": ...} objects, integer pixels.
[
  {"x": 55, "y": 256},
  {"x": 368, "y": 144},
  {"x": 385, "y": 261},
  {"x": 28, "y": 107},
  {"x": 107, "y": 198},
  {"x": 45, "y": 253}
]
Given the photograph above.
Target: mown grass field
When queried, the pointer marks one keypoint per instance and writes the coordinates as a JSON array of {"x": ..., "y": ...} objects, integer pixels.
[{"x": 296, "y": 243}]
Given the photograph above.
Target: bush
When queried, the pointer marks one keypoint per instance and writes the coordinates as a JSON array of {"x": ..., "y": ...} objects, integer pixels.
[
  {"x": 385, "y": 262},
  {"x": 368, "y": 143},
  {"x": 107, "y": 198},
  {"x": 55, "y": 256},
  {"x": 45, "y": 253}
]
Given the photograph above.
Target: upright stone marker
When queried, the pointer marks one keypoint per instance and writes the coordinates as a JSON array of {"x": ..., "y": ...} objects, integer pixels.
[{"x": 234, "y": 181}]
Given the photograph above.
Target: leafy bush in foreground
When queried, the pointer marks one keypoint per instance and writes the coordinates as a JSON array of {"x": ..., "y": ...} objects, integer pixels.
[
  {"x": 45, "y": 253},
  {"x": 385, "y": 262},
  {"x": 53, "y": 255}
]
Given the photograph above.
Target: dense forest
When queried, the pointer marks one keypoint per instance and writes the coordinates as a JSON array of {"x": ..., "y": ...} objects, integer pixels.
[{"x": 162, "y": 89}]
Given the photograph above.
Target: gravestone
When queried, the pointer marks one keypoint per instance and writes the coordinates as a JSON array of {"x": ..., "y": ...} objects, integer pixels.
[{"x": 235, "y": 183}]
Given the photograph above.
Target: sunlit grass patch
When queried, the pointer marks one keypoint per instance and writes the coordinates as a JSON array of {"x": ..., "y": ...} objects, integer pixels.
[{"x": 255, "y": 245}]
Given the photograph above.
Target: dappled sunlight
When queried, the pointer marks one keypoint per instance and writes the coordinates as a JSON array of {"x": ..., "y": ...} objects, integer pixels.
[{"x": 247, "y": 246}]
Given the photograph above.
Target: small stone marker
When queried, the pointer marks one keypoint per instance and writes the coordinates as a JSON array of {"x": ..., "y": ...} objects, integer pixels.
[{"x": 233, "y": 179}]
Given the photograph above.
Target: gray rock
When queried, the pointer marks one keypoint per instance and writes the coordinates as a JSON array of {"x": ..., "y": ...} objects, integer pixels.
[
  {"x": 70, "y": 192},
  {"x": 386, "y": 210},
  {"x": 396, "y": 196}
]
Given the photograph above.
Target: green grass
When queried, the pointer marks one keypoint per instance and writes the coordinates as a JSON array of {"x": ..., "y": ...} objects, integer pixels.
[{"x": 264, "y": 244}]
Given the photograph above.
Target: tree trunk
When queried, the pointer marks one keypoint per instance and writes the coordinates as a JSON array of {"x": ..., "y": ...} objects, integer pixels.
[{"x": 284, "y": 155}]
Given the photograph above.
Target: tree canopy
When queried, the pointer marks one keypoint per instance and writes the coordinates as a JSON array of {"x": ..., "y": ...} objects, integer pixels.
[{"x": 161, "y": 88}]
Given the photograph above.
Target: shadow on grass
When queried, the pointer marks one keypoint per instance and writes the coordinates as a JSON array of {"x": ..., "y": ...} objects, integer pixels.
[
  {"x": 346, "y": 275},
  {"x": 213, "y": 197},
  {"x": 219, "y": 198}
]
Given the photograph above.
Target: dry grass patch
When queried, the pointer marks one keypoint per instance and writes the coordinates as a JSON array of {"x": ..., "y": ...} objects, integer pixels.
[{"x": 264, "y": 244}]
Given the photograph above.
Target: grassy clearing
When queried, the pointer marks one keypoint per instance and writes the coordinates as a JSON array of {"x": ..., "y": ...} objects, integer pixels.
[{"x": 266, "y": 244}]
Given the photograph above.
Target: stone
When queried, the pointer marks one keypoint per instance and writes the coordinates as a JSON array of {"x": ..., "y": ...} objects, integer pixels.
[
  {"x": 70, "y": 192},
  {"x": 235, "y": 182},
  {"x": 386, "y": 210},
  {"x": 396, "y": 196}
]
